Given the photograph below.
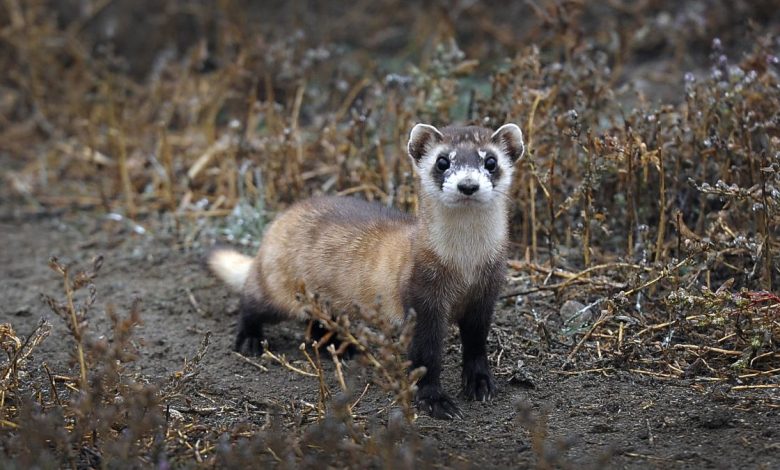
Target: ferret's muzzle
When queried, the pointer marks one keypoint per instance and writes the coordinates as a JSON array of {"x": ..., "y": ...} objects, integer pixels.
[{"x": 468, "y": 186}]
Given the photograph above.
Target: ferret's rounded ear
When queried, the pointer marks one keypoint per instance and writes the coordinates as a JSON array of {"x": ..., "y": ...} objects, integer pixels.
[
  {"x": 509, "y": 137},
  {"x": 421, "y": 138}
]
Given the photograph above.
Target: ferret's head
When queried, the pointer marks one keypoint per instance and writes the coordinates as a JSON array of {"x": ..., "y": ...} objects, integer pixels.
[{"x": 465, "y": 166}]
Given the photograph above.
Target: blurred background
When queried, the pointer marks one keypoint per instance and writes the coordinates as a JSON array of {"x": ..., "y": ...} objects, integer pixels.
[{"x": 640, "y": 116}]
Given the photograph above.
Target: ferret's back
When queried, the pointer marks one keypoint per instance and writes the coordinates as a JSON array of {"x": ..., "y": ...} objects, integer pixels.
[{"x": 352, "y": 211}]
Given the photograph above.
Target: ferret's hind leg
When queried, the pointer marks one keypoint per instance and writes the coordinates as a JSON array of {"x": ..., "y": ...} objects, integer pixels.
[
  {"x": 324, "y": 337},
  {"x": 254, "y": 313}
]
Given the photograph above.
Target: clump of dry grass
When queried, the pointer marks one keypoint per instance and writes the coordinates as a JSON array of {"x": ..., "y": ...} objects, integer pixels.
[
  {"x": 101, "y": 416},
  {"x": 651, "y": 273},
  {"x": 341, "y": 432}
]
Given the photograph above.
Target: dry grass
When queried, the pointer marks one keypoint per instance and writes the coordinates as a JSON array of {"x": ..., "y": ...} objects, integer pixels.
[{"x": 651, "y": 196}]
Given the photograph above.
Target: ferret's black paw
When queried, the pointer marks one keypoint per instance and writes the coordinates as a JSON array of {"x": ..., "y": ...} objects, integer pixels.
[
  {"x": 478, "y": 383},
  {"x": 249, "y": 345},
  {"x": 436, "y": 403}
]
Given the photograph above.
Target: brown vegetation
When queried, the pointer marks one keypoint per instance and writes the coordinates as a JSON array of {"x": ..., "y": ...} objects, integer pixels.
[{"x": 648, "y": 204}]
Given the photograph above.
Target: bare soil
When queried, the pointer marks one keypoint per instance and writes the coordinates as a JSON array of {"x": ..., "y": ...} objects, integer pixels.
[{"x": 617, "y": 419}]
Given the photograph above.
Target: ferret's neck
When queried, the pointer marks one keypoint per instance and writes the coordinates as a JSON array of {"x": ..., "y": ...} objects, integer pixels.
[{"x": 465, "y": 238}]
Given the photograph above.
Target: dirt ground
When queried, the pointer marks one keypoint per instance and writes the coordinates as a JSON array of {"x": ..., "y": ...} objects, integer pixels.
[{"x": 616, "y": 419}]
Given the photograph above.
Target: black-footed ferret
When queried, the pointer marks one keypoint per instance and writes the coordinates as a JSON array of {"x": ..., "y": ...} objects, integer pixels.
[{"x": 447, "y": 264}]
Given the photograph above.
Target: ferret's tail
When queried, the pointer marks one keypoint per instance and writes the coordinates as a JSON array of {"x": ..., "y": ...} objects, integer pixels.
[{"x": 230, "y": 266}]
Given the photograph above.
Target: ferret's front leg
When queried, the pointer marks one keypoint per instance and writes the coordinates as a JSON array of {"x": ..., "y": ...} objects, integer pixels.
[
  {"x": 477, "y": 380},
  {"x": 426, "y": 350}
]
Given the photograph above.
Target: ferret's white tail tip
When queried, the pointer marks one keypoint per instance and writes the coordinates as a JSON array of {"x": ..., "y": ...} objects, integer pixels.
[{"x": 230, "y": 266}]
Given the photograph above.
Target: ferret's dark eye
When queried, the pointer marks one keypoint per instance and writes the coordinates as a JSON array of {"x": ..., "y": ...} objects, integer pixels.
[
  {"x": 491, "y": 164},
  {"x": 442, "y": 163}
]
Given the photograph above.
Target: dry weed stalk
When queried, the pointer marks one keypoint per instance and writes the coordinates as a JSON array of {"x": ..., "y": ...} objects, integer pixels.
[
  {"x": 176, "y": 381},
  {"x": 75, "y": 315}
]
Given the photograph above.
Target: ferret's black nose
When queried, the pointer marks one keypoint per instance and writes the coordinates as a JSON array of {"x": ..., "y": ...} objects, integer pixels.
[{"x": 468, "y": 187}]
